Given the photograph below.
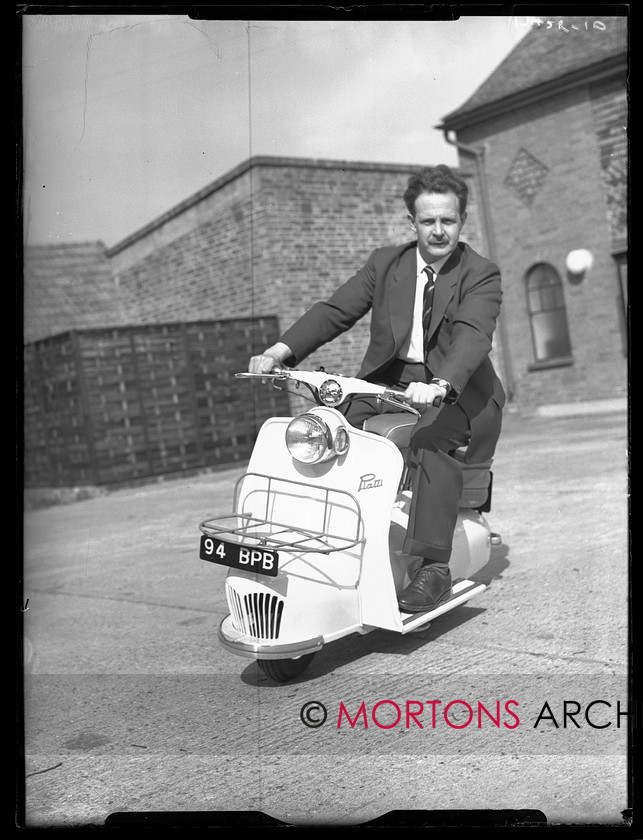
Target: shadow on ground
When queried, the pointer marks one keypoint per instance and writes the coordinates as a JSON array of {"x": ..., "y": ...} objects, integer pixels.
[{"x": 352, "y": 648}]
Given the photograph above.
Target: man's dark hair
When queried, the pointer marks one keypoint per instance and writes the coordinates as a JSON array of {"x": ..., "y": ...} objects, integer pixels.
[{"x": 436, "y": 179}]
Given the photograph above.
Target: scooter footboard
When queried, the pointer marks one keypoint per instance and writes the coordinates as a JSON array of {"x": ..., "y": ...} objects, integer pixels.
[{"x": 463, "y": 590}]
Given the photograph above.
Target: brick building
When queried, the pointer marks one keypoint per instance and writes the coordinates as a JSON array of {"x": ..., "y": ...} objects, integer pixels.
[{"x": 546, "y": 137}]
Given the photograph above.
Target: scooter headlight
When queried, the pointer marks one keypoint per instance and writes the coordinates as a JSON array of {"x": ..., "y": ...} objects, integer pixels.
[{"x": 309, "y": 439}]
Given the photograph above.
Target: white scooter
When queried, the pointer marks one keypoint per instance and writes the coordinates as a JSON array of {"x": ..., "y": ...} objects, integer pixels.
[{"x": 314, "y": 543}]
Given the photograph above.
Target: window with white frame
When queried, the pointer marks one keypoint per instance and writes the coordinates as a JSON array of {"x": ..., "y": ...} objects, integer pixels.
[{"x": 547, "y": 315}]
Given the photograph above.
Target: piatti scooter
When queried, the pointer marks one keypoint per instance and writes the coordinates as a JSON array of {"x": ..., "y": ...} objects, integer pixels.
[{"x": 313, "y": 544}]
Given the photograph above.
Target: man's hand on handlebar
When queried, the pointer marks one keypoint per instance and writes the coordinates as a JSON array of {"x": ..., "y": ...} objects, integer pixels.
[
  {"x": 263, "y": 363},
  {"x": 424, "y": 396},
  {"x": 272, "y": 357}
]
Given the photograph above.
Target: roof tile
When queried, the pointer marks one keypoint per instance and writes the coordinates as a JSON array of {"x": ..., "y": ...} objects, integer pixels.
[{"x": 68, "y": 286}]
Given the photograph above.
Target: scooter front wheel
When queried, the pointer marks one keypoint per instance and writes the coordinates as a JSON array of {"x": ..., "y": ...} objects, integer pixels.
[{"x": 282, "y": 670}]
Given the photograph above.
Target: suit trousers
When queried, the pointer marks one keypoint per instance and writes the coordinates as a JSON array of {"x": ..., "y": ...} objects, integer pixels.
[{"x": 436, "y": 475}]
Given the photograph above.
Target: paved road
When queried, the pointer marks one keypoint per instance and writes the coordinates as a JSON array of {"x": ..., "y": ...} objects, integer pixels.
[{"x": 131, "y": 705}]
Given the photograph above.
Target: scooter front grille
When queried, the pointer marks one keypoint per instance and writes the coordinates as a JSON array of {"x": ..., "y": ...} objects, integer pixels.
[{"x": 257, "y": 614}]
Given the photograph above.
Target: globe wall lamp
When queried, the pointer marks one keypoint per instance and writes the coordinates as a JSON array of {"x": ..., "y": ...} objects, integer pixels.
[{"x": 578, "y": 262}]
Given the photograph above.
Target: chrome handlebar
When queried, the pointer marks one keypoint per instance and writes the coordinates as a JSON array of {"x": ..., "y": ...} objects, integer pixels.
[{"x": 350, "y": 386}]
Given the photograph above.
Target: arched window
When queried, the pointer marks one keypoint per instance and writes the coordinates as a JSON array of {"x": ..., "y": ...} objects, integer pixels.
[{"x": 547, "y": 314}]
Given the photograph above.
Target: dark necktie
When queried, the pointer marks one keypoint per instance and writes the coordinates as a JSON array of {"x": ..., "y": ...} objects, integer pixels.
[{"x": 428, "y": 304}]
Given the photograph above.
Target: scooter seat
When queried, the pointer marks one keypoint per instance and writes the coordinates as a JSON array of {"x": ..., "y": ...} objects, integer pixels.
[
  {"x": 476, "y": 478},
  {"x": 398, "y": 428}
]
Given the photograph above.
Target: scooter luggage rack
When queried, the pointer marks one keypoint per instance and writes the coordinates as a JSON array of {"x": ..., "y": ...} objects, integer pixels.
[{"x": 248, "y": 529}]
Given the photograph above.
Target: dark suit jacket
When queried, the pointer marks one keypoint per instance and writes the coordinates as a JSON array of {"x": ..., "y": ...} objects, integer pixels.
[{"x": 466, "y": 304}]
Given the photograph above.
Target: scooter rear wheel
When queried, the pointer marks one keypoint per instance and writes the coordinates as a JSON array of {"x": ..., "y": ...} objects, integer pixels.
[{"x": 282, "y": 670}]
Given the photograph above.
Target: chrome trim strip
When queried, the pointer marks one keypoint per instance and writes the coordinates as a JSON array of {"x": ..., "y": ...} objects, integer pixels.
[{"x": 232, "y": 641}]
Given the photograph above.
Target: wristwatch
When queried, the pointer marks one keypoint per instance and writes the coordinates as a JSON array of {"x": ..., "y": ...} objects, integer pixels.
[{"x": 441, "y": 383}]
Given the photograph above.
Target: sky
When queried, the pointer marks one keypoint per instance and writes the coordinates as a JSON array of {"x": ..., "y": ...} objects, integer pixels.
[{"x": 125, "y": 116}]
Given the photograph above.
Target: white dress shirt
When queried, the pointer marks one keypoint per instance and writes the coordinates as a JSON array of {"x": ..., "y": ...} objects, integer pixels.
[{"x": 413, "y": 348}]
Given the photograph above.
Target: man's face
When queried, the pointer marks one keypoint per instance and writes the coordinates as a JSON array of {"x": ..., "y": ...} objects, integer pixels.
[{"x": 437, "y": 224}]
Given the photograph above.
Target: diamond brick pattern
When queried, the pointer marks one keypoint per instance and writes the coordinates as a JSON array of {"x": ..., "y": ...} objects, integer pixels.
[{"x": 526, "y": 176}]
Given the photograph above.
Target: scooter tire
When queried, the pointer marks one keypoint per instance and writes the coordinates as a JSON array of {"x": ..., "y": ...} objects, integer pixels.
[{"x": 282, "y": 670}]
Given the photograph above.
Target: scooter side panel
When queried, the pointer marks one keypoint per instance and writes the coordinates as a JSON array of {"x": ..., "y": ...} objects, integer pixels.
[{"x": 471, "y": 544}]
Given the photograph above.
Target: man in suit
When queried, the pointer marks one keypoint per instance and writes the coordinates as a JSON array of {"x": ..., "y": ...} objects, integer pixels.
[{"x": 434, "y": 304}]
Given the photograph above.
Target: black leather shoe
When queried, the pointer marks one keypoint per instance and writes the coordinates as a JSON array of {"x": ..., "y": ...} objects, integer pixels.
[{"x": 427, "y": 590}]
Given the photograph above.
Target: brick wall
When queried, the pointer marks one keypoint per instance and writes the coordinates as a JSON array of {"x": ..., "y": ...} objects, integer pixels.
[
  {"x": 609, "y": 107},
  {"x": 555, "y": 172},
  {"x": 107, "y": 406}
]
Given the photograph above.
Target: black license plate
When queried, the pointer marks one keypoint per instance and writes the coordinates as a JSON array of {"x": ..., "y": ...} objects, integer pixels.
[{"x": 237, "y": 556}]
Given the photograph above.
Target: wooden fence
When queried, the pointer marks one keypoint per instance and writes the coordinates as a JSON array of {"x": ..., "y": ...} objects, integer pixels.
[{"x": 105, "y": 406}]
